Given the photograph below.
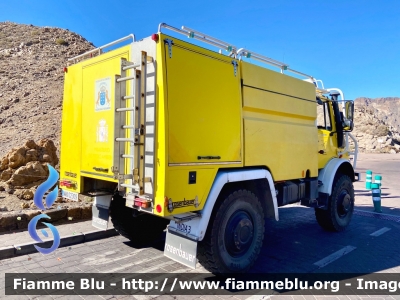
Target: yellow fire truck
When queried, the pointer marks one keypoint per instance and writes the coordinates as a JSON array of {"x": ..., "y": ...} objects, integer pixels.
[{"x": 162, "y": 131}]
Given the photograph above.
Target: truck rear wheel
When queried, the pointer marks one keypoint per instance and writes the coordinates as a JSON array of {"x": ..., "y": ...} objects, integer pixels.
[
  {"x": 139, "y": 229},
  {"x": 340, "y": 207},
  {"x": 235, "y": 234}
]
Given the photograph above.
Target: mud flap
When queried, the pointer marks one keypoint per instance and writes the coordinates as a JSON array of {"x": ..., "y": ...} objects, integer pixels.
[
  {"x": 181, "y": 249},
  {"x": 100, "y": 211}
]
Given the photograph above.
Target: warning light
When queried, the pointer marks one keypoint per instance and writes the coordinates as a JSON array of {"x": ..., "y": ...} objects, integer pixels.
[
  {"x": 159, "y": 208},
  {"x": 139, "y": 202},
  {"x": 65, "y": 70},
  {"x": 155, "y": 37},
  {"x": 67, "y": 183}
]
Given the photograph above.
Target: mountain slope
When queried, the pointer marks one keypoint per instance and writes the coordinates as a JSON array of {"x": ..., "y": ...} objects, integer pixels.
[{"x": 31, "y": 81}]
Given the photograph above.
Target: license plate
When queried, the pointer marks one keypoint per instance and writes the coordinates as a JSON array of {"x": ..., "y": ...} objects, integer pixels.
[
  {"x": 181, "y": 249},
  {"x": 70, "y": 195},
  {"x": 182, "y": 227}
]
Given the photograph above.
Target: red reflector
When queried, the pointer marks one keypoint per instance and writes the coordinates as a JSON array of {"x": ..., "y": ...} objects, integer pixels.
[
  {"x": 65, "y": 70},
  {"x": 142, "y": 203},
  {"x": 159, "y": 208},
  {"x": 155, "y": 37}
]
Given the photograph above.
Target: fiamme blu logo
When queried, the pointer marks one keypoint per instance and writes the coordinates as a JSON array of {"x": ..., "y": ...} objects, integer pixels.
[{"x": 38, "y": 201}]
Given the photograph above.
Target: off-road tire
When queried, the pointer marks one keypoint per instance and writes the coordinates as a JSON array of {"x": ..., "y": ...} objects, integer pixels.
[
  {"x": 139, "y": 229},
  {"x": 218, "y": 251},
  {"x": 338, "y": 216}
]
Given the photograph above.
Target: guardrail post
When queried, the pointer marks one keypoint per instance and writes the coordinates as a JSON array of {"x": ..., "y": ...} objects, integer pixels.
[
  {"x": 368, "y": 180},
  {"x": 376, "y": 197},
  {"x": 378, "y": 180}
]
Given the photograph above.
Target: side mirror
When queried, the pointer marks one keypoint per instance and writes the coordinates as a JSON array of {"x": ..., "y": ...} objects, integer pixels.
[
  {"x": 348, "y": 123},
  {"x": 349, "y": 110}
]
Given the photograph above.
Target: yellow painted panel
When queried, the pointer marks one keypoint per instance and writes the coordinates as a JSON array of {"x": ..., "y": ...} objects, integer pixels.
[
  {"x": 179, "y": 189},
  {"x": 71, "y": 126},
  {"x": 98, "y": 111},
  {"x": 161, "y": 160},
  {"x": 327, "y": 144},
  {"x": 279, "y": 115},
  {"x": 269, "y": 80},
  {"x": 286, "y": 147},
  {"x": 204, "y": 106},
  {"x": 282, "y": 106}
]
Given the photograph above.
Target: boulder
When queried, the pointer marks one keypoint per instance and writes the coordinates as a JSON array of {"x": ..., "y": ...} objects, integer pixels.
[
  {"x": 32, "y": 155},
  {"x": 27, "y": 164},
  {"x": 33, "y": 171},
  {"x": 31, "y": 144},
  {"x": 25, "y": 205},
  {"x": 49, "y": 151},
  {"x": 6, "y": 174},
  {"x": 24, "y": 194},
  {"x": 17, "y": 158}
]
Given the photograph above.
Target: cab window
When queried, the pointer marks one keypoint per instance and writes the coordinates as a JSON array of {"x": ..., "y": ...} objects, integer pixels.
[{"x": 323, "y": 116}]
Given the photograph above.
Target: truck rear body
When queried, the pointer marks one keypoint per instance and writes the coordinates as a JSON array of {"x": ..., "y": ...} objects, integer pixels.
[
  {"x": 165, "y": 128},
  {"x": 203, "y": 112}
]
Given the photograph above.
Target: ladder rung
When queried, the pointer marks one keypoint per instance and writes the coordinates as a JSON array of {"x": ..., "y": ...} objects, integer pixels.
[
  {"x": 128, "y": 97},
  {"x": 128, "y": 127},
  {"x": 129, "y": 186},
  {"x": 124, "y": 140},
  {"x": 127, "y": 156},
  {"x": 126, "y": 78},
  {"x": 131, "y": 67},
  {"x": 125, "y": 109}
]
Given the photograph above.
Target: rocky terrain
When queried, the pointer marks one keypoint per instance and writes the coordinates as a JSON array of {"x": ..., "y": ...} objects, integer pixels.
[
  {"x": 377, "y": 125},
  {"x": 32, "y": 60}
]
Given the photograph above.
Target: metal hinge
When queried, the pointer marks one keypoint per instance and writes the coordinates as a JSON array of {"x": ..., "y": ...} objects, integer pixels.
[
  {"x": 139, "y": 131},
  {"x": 170, "y": 43},
  {"x": 126, "y": 176},
  {"x": 235, "y": 65}
]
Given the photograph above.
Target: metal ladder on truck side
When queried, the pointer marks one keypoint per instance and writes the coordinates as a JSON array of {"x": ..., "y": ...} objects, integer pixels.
[{"x": 130, "y": 132}]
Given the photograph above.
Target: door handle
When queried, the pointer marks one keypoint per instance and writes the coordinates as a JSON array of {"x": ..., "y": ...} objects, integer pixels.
[
  {"x": 100, "y": 169},
  {"x": 208, "y": 157}
]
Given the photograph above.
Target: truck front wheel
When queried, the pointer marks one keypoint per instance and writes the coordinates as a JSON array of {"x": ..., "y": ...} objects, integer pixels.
[
  {"x": 340, "y": 207},
  {"x": 235, "y": 234},
  {"x": 139, "y": 229}
]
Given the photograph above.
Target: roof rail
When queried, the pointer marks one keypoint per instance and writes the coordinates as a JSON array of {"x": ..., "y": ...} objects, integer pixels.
[
  {"x": 234, "y": 51},
  {"x": 191, "y": 33},
  {"x": 99, "y": 49},
  {"x": 284, "y": 67}
]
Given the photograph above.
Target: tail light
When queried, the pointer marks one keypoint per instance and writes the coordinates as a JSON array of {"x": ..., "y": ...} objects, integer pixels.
[{"x": 140, "y": 202}]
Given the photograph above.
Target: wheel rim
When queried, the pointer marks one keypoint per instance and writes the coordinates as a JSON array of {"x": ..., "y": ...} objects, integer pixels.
[
  {"x": 344, "y": 204},
  {"x": 239, "y": 233}
]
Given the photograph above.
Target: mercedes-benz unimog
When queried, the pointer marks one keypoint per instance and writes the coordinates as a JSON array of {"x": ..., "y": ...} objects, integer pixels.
[{"x": 161, "y": 131}]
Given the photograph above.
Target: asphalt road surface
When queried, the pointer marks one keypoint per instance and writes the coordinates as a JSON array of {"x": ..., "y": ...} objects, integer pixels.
[{"x": 295, "y": 244}]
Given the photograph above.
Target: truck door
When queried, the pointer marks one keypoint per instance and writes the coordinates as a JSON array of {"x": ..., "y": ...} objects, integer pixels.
[
  {"x": 204, "y": 106},
  {"x": 98, "y": 112},
  {"x": 327, "y": 141}
]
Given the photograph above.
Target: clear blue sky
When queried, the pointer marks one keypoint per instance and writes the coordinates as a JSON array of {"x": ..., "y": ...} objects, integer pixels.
[{"x": 352, "y": 45}]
